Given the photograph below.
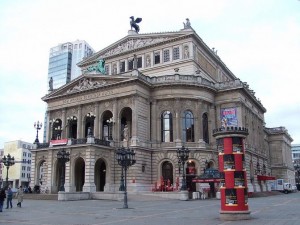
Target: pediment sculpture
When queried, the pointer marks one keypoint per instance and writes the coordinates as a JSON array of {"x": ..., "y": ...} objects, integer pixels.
[{"x": 86, "y": 84}]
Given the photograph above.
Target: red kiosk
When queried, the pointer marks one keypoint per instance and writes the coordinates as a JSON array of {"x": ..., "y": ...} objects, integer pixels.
[{"x": 234, "y": 196}]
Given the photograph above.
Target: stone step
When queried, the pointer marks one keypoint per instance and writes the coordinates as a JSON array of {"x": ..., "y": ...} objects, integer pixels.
[{"x": 41, "y": 196}]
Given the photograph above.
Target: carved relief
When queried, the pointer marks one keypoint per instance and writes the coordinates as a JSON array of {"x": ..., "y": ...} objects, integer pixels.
[
  {"x": 86, "y": 84},
  {"x": 77, "y": 155},
  {"x": 57, "y": 114},
  {"x": 103, "y": 155},
  {"x": 132, "y": 44},
  {"x": 148, "y": 61}
]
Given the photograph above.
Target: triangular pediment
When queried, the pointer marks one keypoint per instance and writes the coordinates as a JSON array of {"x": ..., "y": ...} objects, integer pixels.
[
  {"x": 133, "y": 43},
  {"x": 84, "y": 83}
]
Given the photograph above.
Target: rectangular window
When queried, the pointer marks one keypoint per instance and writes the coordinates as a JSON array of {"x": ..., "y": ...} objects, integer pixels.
[
  {"x": 156, "y": 58},
  {"x": 122, "y": 67},
  {"x": 139, "y": 62},
  {"x": 166, "y": 55},
  {"x": 80, "y": 45},
  {"x": 107, "y": 70},
  {"x": 175, "y": 53},
  {"x": 130, "y": 64}
]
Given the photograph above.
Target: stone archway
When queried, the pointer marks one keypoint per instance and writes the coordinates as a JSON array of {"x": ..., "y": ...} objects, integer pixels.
[
  {"x": 79, "y": 174},
  {"x": 58, "y": 174},
  {"x": 100, "y": 175},
  {"x": 167, "y": 171}
]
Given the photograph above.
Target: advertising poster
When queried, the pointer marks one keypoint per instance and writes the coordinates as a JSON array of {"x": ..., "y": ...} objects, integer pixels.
[
  {"x": 229, "y": 117},
  {"x": 239, "y": 179},
  {"x": 229, "y": 162},
  {"x": 230, "y": 195}
]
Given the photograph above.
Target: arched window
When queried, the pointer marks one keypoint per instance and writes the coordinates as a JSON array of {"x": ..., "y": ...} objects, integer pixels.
[
  {"x": 188, "y": 127},
  {"x": 166, "y": 127},
  {"x": 205, "y": 128}
]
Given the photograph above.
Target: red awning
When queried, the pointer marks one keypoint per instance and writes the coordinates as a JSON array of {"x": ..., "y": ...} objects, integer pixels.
[
  {"x": 206, "y": 180},
  {"x": 261, "y": 177}
]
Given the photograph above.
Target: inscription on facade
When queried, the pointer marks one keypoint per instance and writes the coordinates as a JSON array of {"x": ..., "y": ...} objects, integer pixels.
[{"x": 87, "y": 97}]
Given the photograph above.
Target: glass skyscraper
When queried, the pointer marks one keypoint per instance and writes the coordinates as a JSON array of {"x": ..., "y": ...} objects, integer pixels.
[{"x": 63, "y": 68}]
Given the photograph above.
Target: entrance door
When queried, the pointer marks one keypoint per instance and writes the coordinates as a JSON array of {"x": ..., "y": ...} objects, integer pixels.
[
  {"x": 167, "y": 172},
  {"x": 79, "y": 174},
  {"x": 100, "y": 175}
]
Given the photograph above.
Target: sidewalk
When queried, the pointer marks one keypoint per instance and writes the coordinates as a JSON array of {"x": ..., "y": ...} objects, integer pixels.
[{"x": 277, "y": 209}]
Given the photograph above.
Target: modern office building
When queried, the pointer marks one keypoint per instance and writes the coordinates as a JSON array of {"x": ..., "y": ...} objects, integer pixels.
[
  {"x": 63, "y": 60},
  {"x": 19, "y": 173},
  {"x": 160, "y": 92},
  {"x": 296, "y": 152}
]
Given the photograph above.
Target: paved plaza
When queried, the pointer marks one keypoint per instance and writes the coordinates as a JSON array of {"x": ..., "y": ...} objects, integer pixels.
[{"x": 272, "y": 210}]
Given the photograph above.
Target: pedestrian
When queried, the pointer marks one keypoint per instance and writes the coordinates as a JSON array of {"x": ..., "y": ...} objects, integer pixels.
[
  {"x": 2, "y": 197},
  {"x": 9, "y": 196},
  {"x": 20, "y": 195}
]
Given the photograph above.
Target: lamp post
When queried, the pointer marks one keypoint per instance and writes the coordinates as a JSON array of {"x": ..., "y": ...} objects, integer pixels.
[
  {"x": 183, "y": 155},
  {"x": 63, "y": 157},
  {"x": 8, "y": 161},
  {"x": 37, "y": 126},
  {"x": 125, "y": 158}
]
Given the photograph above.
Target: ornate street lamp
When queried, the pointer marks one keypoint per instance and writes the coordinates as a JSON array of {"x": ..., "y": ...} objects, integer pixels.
[
  {"x": 183, "y": 155},
  {"x": 125, "y": 158},
  {"x": 8, "y": 161},
  {"x": 63, "y": 157},
  {"x": 37, "y": 126}
]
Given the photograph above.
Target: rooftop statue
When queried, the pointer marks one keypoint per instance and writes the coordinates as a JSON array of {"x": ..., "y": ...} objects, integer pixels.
[
  {"x": 51, "y": 84},
  {"x": 100, "y": 67},
  {"x": 187, "y": 24},
  {"x": 133, "y": 23}
]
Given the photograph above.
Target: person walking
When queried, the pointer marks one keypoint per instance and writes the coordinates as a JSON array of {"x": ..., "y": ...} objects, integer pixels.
[
  {"x": 20, "y": 195},
  {"x": 9, "y": 196},
  {"x": 2, "y": 197}
]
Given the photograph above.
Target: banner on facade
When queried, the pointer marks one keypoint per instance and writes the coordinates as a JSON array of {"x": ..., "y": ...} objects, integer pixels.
[
  {"x": 229, "y": 117},
  {"x": 59, "y": 142}
]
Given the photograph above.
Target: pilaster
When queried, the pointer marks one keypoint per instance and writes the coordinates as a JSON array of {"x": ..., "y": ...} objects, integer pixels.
[{"x": 89, "y": 184}]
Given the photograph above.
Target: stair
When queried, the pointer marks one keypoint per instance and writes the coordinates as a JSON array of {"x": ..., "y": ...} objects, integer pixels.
[{"x": 41, "y": 196}]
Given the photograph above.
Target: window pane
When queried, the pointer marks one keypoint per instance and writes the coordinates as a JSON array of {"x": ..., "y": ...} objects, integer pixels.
[
  {"x": 166, "y": 55},
  {"x": 176, "y": 53}
]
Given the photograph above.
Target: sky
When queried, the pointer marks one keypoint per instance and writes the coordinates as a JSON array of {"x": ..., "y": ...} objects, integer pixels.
[{"x": 259, "y": 41}]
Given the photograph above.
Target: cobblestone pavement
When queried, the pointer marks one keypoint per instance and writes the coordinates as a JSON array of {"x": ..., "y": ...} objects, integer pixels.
[{"x": 272, "y": 210}]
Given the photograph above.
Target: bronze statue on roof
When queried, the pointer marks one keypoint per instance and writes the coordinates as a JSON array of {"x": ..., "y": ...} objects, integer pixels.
[{"x": 133, "y": 23}]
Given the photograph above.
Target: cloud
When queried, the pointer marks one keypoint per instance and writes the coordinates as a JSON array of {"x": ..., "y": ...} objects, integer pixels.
[{"x": 257, "y": 40}]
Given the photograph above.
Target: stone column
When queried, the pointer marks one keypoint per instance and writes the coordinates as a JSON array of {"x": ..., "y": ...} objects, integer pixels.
[
  {"x": 134, "y": 125},
  {"x": 63, "y": 124},
  {"x": 48, "y": 130},
  {"x": 89, "y": 182},
  {"x": 177, "y": 123},
  {"x": 155, "y": 135},
  {"x": 68, "y": 185},
  {"x": 79, "y": 121},
  {"x": 115, "y": 133},
  {"x": 33, "y": 170},
  {"x": 96, "y": 122},
  {"x": 49, "y": 170}
]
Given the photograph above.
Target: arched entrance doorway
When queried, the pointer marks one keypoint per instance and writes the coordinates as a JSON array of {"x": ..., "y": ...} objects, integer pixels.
[
  {"x": 100, "y": 175},
  {"x": 190, "y": 175},
  {"x": 58, "y": 174},
  {"x": 167, "y": 172},
  {"x": 79, "y": 174}
]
